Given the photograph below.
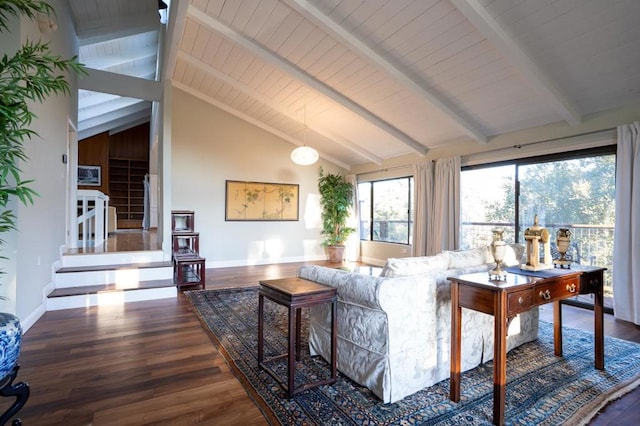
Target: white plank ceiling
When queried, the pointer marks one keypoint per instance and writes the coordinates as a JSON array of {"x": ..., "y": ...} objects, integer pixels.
[
  {"x": 375, "y": 79},
  {"x": 119, "y": 37}
]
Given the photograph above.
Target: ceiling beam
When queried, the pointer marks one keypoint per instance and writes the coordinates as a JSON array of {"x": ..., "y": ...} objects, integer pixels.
[
  {"x": 249, "y": 119},
  {"x": 295, "y": 72},
  {"x": 112, "y": 114},
  {"x": 120, "y": 84},
  {"x": 254, "y": 94},
  {"x": 509, "y": 48},
  {"x": 113, "y": 104},
  {"x": 171, "y": 43},
  {"x": 315, "y": 15},
  {"x": 113, "y": 119}
]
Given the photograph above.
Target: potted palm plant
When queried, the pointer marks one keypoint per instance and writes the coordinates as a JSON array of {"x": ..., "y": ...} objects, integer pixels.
[
  {"x": 31, "y": 74},
  {"x": 336, "y": 200}
]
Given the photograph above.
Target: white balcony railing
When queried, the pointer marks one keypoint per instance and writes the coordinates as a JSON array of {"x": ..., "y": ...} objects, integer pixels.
[{"x": 92, "y": 219}]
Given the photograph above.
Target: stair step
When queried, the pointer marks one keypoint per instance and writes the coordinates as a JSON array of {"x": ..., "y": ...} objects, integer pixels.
[
  {"x": 111, "y": 296},
  {"x": 112, "y": 287},
  {"x": 86, "y": 278},
  {"x": 121, "y": 274},
  {"x": 78, "y": 259},
  {"x": 115, "y": 267}
]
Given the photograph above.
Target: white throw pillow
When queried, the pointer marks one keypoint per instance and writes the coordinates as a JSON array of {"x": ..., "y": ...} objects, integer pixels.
[
  {"x": 467, "y": 258},
  {"x": 409, "y": 266}
]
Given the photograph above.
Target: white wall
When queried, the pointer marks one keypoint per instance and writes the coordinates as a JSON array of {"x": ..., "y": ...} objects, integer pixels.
[
  {"x": 42, "y": 225},
  {"x": 210, "y": 146}
]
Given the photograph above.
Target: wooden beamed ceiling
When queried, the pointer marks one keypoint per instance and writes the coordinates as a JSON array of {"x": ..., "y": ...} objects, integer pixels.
[{"x": 377, "y": 79}]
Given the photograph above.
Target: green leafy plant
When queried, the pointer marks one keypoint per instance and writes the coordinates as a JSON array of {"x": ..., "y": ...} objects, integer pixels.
[
  {"x": 32, "y": 74},
  {"x": 336, "y": 199}
]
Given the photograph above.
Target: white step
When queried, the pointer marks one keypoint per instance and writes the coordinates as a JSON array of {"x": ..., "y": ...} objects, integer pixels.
[
  {"x": 123, "y": 257},
  {"x": 124, "y": 275},
  {"x": 109, "y": 298}
]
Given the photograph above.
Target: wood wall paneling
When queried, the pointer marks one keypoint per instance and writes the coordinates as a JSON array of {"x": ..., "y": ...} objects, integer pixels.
[
  {"x": 94, "y": 151},
  {"x": 131, "y": 144}
]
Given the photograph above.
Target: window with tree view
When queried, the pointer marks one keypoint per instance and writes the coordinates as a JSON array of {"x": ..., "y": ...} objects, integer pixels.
[
  {"x": 386, "y": 210},
  {"x": 574, "y": 190}
]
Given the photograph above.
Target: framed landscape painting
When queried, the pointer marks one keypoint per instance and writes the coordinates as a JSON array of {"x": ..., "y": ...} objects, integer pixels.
[
  {"x": 261, "y": 201},
  {"x": 89, "y": 175}
]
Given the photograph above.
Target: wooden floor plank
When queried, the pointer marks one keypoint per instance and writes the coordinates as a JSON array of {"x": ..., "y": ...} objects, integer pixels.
[{"x": 152, "y": 362}]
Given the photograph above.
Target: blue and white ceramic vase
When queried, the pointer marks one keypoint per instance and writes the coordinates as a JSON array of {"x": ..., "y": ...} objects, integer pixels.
[{"x": 10, "y": 343}]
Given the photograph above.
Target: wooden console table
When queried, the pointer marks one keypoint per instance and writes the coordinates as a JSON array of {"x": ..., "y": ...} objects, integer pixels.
[
  {"x": 296, "y": 293},
  {"x": 506, "y": 298}
]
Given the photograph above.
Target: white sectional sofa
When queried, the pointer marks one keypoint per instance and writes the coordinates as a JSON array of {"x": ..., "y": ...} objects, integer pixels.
[{"x": 394, "y": 331}]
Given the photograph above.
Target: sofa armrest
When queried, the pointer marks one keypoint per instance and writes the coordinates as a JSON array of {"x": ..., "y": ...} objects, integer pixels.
[{"x": 352, "y": 287}]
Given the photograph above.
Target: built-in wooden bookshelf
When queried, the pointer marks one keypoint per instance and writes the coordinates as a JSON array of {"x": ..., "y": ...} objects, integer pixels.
[
  {"x": 124, "y": 161},
  {"x": 126, "y": 190}
]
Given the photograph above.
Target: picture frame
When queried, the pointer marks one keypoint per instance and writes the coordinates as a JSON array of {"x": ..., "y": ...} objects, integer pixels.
[
  {"x": 261, "y": 201},
  {"x": 89, "y": 175}
]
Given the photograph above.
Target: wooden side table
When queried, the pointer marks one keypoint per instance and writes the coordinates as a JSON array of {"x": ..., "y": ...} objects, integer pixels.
[
  {"x": 296, "y": 293},
  {"x": 505, "y": 299},
  {"x": 189, "y": 270}
]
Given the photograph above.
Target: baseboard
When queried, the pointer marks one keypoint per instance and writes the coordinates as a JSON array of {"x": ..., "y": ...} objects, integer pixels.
[{"x": 31, "y": 319}]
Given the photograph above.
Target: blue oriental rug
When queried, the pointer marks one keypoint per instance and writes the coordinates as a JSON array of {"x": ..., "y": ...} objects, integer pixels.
[{"x": 542, "y": 389}]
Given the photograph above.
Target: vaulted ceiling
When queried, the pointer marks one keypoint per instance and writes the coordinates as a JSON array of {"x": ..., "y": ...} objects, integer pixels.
[{"x": 366, "y": 80}]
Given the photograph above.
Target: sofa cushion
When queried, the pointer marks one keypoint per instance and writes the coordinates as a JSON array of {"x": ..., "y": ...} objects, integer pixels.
[
  {"x": 409, "y": 266},
  {"x": 466, "y": 258}
]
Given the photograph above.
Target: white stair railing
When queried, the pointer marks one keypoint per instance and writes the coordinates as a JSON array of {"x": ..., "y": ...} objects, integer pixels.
[{"x": 92, "y": 217}]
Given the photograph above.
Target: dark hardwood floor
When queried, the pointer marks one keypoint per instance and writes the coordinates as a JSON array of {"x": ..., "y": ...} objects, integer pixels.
[{"x": 153, "y": 363}]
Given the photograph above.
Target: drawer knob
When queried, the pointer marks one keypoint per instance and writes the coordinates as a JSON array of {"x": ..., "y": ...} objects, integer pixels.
[
  {"x": 571, "y": 288},
  {"x": 521, "y": 301},
  {"x": 546, "y": 295}
]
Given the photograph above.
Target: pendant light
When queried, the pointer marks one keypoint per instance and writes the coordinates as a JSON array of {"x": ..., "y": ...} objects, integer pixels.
[{"x": 304, "y": 155}]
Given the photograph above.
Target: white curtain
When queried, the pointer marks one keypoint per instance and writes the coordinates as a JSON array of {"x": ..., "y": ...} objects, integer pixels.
[
  {"x": 423, "y": 197},
  {"x": 352, "y": 249},
  {"x": 626, "y": 245},
  {"x": 443, "y": 228},
  {"x": 145, "y": 217}
]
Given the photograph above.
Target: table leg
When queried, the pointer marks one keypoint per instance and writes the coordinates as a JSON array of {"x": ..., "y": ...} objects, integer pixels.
[
  {"x": 499, "y": 357},
  {"x": 298, "y": 332},
  {"x": 260, "y": 329},
  {"x": 202, "y": 274},
  {"x": 557, "y": 328},
  {"x": 456, "y": 331},
  {"x": 598, "y": 312},
  {"x": 291, "y": 370},
  {"x": 180, "y": 274}
]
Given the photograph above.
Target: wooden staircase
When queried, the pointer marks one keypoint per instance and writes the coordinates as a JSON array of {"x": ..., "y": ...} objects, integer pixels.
[{"x": 93, "y": 279}]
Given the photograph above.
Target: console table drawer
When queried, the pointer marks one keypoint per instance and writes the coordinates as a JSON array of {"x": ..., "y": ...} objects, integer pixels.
[
  {"x": 558, "y": 290},
  {"x": 520, "y": 301}
]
